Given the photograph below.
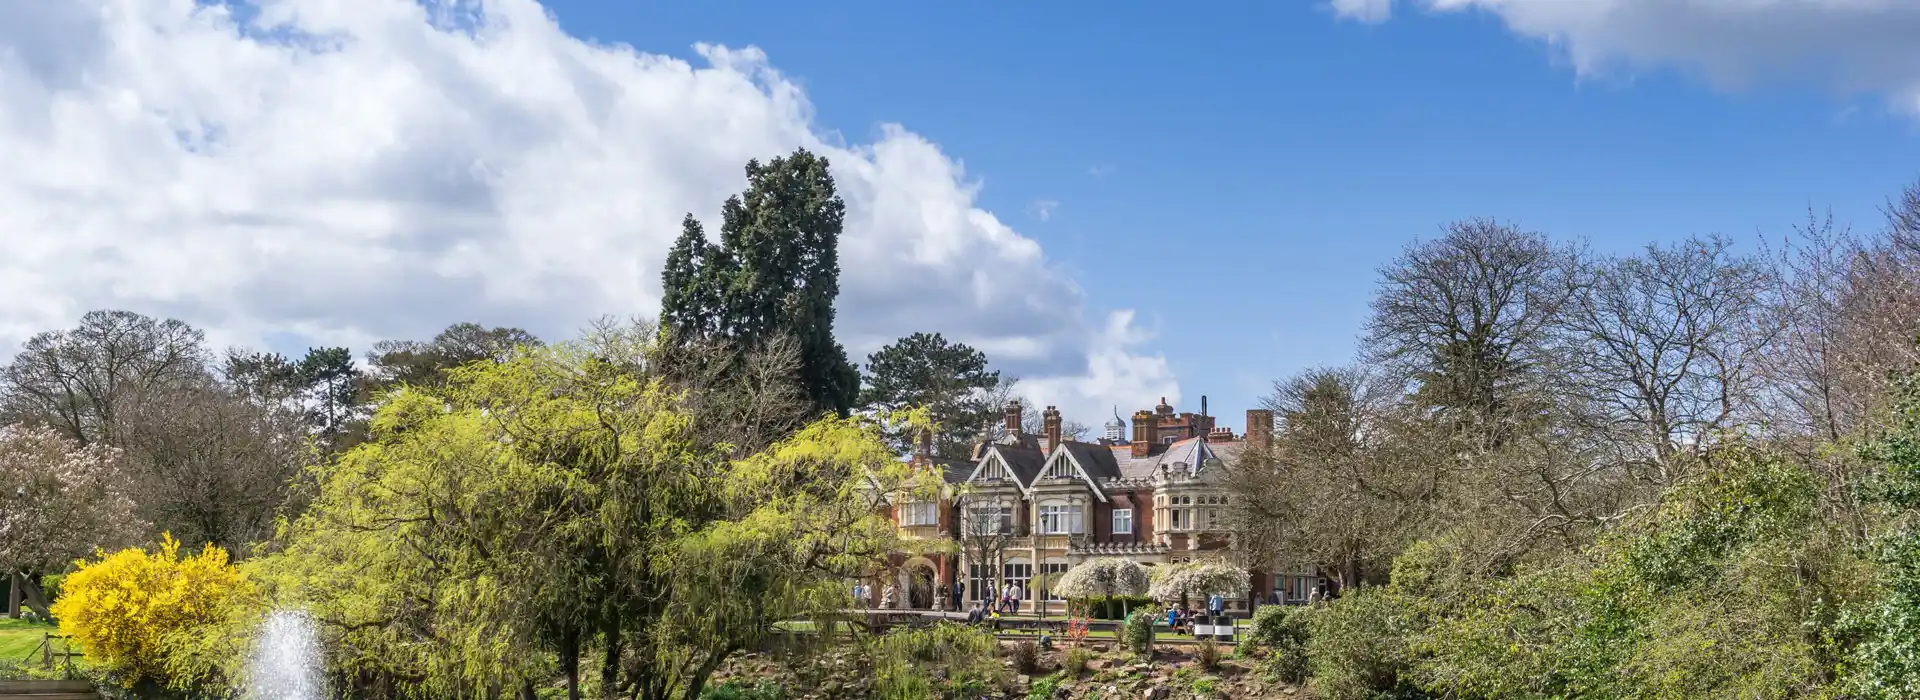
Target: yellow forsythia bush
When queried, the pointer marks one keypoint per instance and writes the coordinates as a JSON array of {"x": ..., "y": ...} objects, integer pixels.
[{"x": 121, "y": 608}]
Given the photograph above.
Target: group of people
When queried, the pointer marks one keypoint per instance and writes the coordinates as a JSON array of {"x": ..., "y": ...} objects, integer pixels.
[
  {"x": 1181, "y": 621},
  {"x": 862, "y": 596}
]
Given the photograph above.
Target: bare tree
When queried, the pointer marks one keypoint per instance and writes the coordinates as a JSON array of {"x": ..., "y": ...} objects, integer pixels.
[
  {"x": 1666, "y": 348},
  {"x": 1465, "y": 318},
  {"x": 81, "y": 380},
  {"x": 1341, "y": 486},
  {"x": 211, "y": 464}
]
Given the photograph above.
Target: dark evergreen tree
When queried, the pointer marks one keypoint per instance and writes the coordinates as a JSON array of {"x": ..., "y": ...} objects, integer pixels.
[
  {"x": 950, "y": 379},
  {"x": 333, "y": 383},
  {"x": 775, "y": 273}
]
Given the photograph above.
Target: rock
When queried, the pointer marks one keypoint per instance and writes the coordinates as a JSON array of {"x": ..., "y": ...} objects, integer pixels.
[{"x": 1158, "y": 692}]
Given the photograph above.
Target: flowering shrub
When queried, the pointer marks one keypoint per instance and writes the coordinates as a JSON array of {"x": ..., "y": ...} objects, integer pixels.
[{"x": 122, "y": 607}]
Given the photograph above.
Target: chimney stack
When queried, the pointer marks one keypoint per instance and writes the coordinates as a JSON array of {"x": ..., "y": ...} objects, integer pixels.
[
  {"x": 1259, "y": 428},
  {"x": 1143, "y": 430},
  {"x": 1051, "y": 417},
  {"x": 1013, "y": 417}
]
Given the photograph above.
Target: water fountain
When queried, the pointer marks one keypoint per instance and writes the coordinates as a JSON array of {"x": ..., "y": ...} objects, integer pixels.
[{"x": 287, "y": 662}]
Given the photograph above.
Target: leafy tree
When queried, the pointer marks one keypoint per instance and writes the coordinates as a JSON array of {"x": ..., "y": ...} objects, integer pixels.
[
  {"x": 775, "y": 272},
  {"x": 949, "y": 379},
  {"x": 557, "y": 508}
]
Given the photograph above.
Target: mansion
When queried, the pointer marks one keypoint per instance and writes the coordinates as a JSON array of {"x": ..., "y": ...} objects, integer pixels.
[{"x": 1028, "y": 504}]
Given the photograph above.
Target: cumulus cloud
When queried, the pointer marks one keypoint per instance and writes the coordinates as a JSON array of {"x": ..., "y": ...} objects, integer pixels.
[
  {"x": 339, "y": 171},
  {"x": 1853, "y": 46}
]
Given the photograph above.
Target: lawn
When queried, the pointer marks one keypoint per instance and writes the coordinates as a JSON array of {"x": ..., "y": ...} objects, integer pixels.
[{"x": 19, "y": 638}]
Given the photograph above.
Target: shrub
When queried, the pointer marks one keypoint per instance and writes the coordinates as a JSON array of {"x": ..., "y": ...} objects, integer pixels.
[
  {"x": 1076, "y": 661},
  {"x": 1358, "y": 646},
  {"x": 1279, "y": 641},
  {"x": 121, "y": 608},
  {"x": 905, "y": 661},
  {"x": 1026, "y": 657},
  {"x": 1209, "y": 655},
  {"x": 1115, "y": 608},
  {"x": 1137, "y": 634},
  {"x": 50, "y": 586},
  {"x": 1044, "y": 688},
  {"x": 740, "y": 690}
]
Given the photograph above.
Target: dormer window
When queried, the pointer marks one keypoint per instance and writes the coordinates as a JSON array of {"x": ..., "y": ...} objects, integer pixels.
[{"x": 1062, "y": 469}]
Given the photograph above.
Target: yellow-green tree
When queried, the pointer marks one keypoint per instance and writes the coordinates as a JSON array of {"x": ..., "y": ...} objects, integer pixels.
[{"x": 553, "y": 515}]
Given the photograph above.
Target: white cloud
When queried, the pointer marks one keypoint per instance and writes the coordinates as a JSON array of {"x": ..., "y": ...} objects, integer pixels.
[
  {"x": 1099, "y": 171},
  {"x": 1043, "y": 209},
  {"x": 1853, "y": 46},
  {"x": 348, "y": 170}
]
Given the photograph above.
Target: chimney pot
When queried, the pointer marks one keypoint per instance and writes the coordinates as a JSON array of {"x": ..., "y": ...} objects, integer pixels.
[{"x": 1051, "y": 420}]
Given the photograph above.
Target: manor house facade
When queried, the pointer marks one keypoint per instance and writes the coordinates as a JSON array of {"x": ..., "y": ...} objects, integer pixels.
[{"x": 1024, "y": 505}]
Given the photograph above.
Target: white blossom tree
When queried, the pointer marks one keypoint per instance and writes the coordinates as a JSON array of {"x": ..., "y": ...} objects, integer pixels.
[
  {"x": 1183, "y": 582},
  {"x": 59, "y": 501},
  {"x": 1103, "y": 578}
]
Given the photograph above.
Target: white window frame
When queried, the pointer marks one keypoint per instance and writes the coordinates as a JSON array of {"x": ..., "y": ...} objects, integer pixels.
[
  {"x": 1123, "y": 516},
  {"x": 919, "y": 513},
  {"x": 998, "y": 515}
]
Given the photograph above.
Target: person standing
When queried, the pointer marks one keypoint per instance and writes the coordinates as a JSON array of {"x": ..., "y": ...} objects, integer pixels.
[
  {"x": 1216, "y": 606},
  {"x": 1016, "y": 595},
  {"x": 959, "y": 593}
]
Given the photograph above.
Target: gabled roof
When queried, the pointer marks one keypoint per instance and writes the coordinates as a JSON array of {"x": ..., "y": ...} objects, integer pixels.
[
  {"x": 1026, "y": 464},
  {"x": 1097, "y": 460}
]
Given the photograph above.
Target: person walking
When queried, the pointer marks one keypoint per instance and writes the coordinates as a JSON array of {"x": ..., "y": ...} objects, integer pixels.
[{"x": 1016, "y": 595}]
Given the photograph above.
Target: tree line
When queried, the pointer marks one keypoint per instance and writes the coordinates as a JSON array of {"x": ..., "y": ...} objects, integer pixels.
[
  {"x": 1545, "y": 460},
  {"x": 486, "y": 513}
]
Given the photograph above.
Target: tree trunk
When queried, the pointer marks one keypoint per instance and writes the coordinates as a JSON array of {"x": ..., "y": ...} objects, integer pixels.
[
  {"x": 610, "y": 662},
  {"x": 570, "y": 664}
]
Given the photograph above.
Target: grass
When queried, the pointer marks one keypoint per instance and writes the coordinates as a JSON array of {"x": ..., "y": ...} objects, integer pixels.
[{"x": 20, "y": 638}]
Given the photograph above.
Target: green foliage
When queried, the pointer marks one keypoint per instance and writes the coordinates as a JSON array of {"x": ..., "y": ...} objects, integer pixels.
[
  {"x": 1137, "y": 634},
  {"x": 496, "y": 529},
  {"x": 1043, "y": 688},
  {"x": 951, "y": 380},
  {"x": 1358, "y": 645},
  {"x": 741, "y": 690},
  {"x": 1279, "y": 640},
  {"x": 946, "y": 661},
  {"x": 1886, "y": 663},
  {"x": 775, "y": 273},
  {"x": 1115, "y": 608},
  {"x": 1075, "y": 662}
]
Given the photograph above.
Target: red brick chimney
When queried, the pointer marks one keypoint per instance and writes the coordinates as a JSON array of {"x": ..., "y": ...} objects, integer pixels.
[
  {"x": 1144, "y": 423},
  {"x": 1259, "y": 428},
  {"x": 1013, "y": 417},
  {"x": 923, "y": 452},
  {"x": 1051, "y": 418}
]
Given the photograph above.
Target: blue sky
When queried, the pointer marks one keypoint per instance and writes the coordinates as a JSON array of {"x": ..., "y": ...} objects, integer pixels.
[
  {"x": 295, "y": 173},
  {"x": 1261, "y": 160}
]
